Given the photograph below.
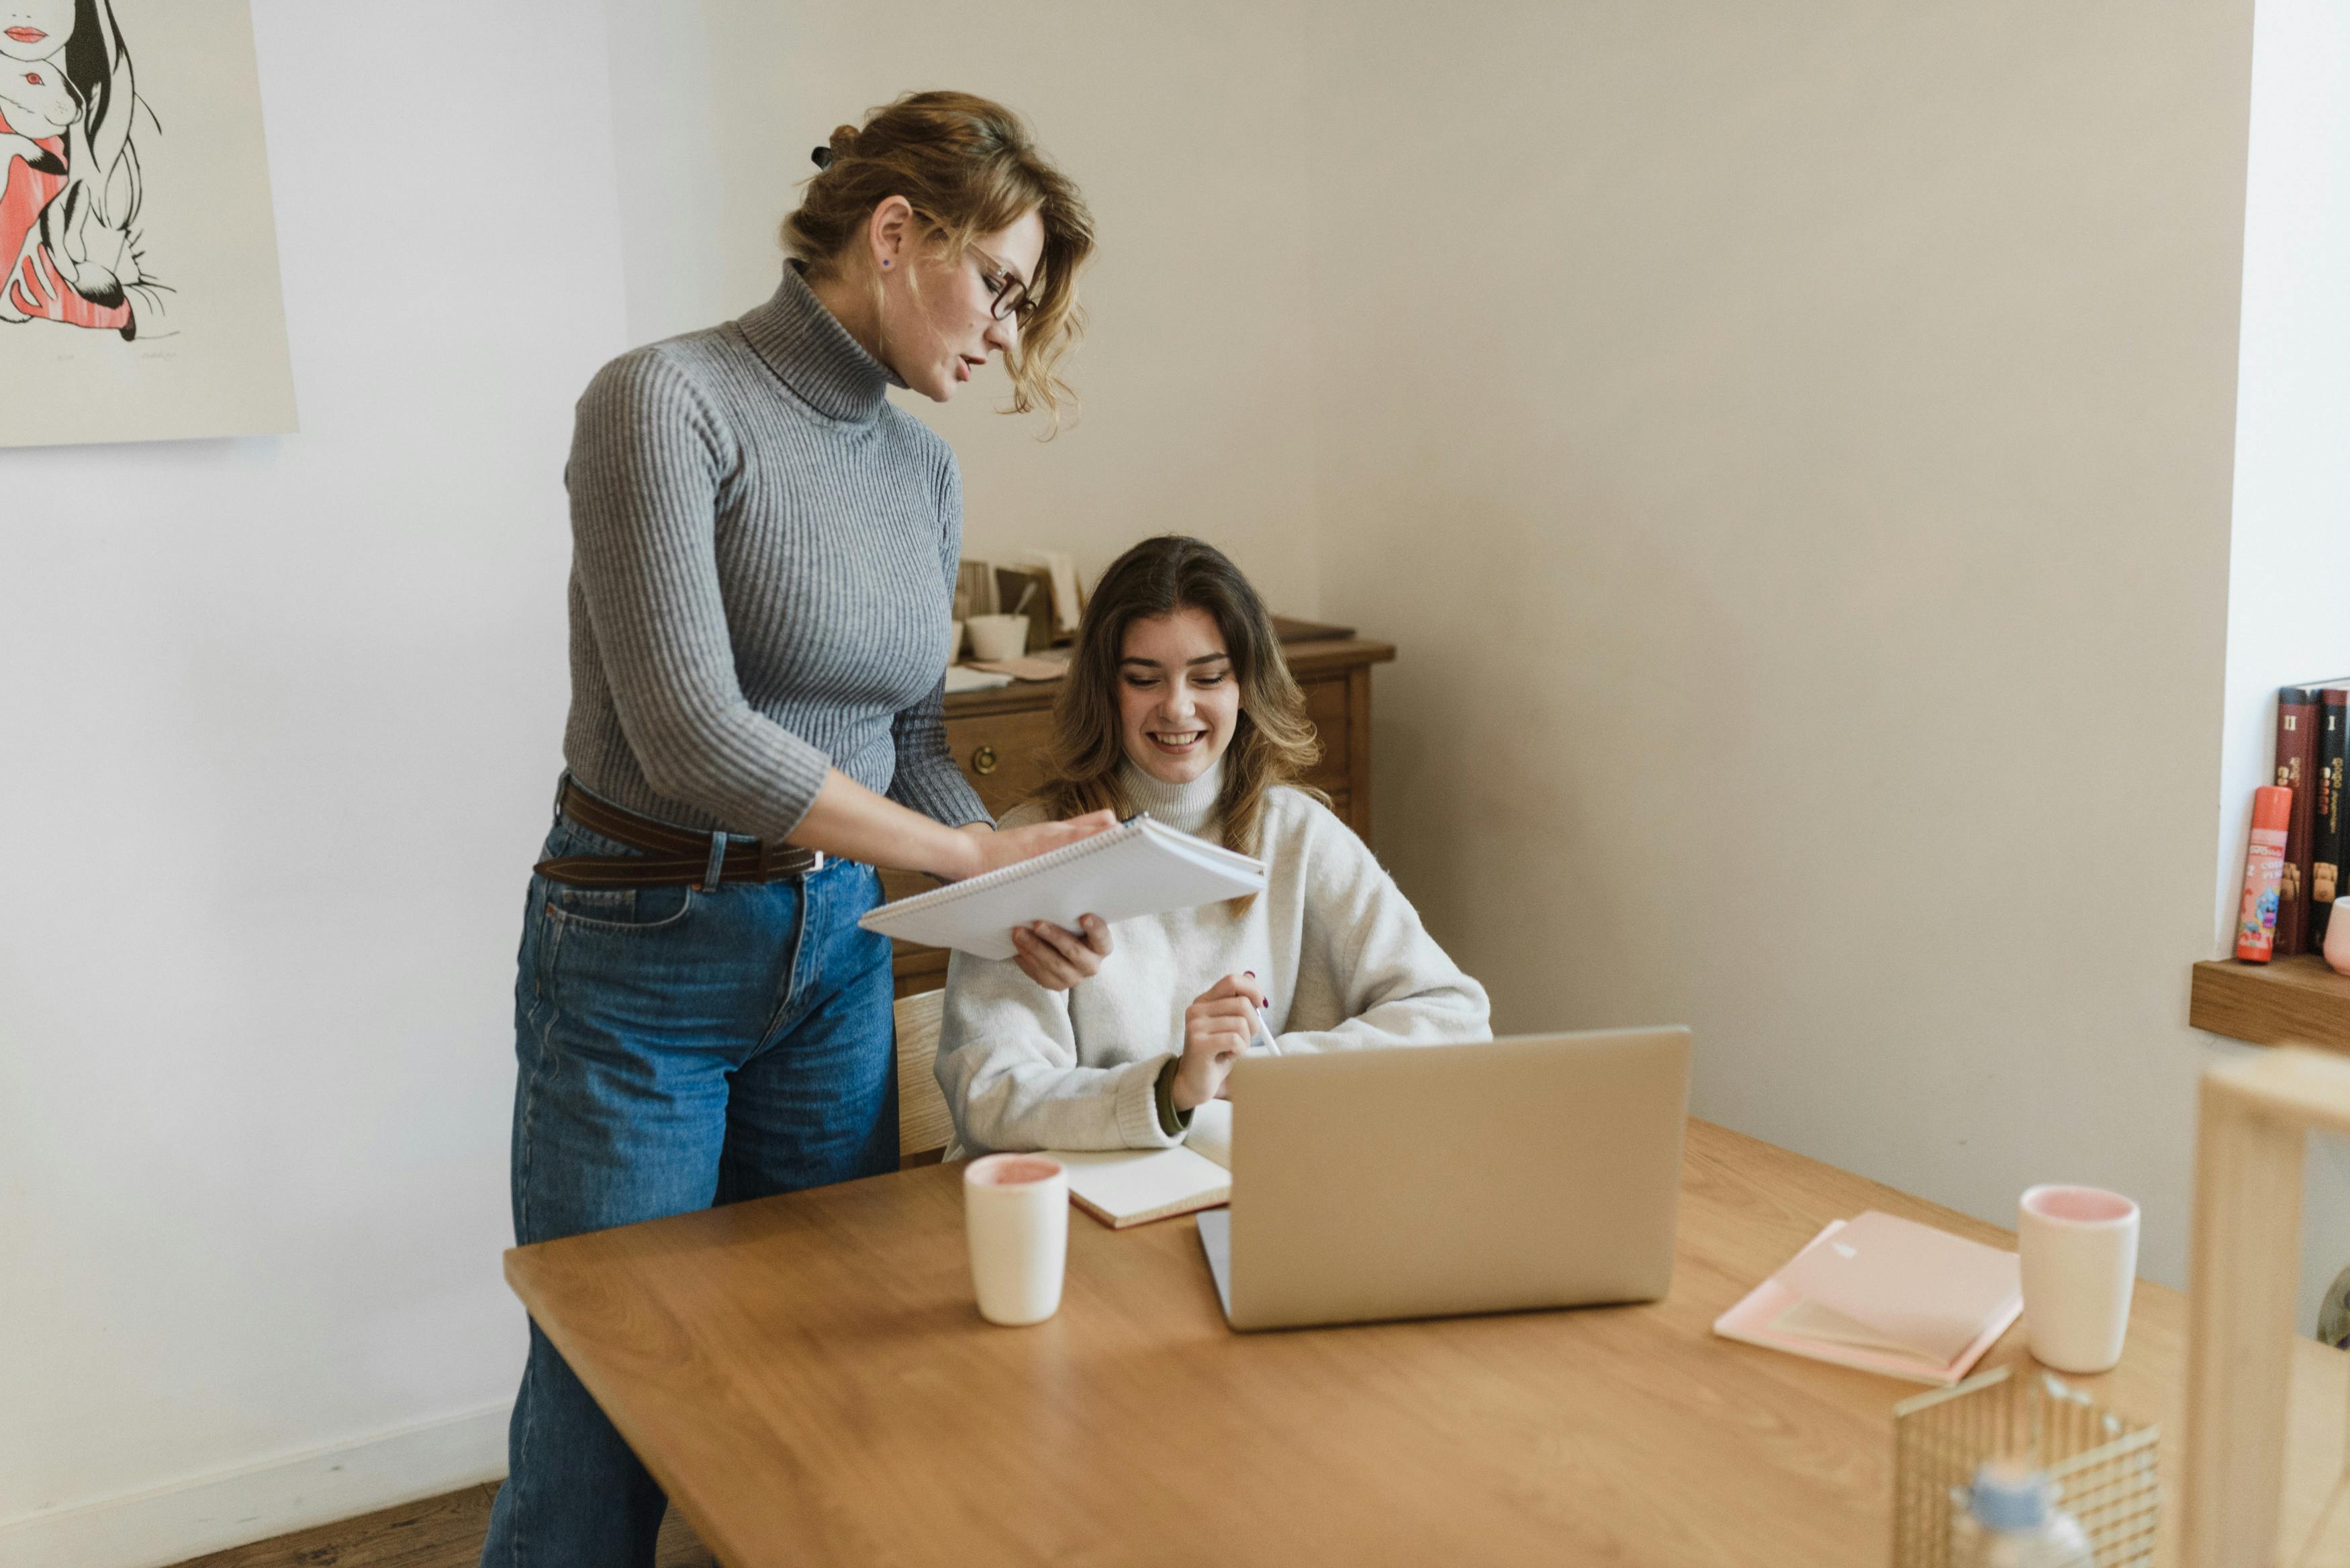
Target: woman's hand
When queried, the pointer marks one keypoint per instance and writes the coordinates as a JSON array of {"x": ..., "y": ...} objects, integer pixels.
[
  {"x": 1057, "y": 959},
  {"x": 1011, "y": 845},
  {"x": 1051, "y": 956},
  {"x": 1217, "y": 1027}
]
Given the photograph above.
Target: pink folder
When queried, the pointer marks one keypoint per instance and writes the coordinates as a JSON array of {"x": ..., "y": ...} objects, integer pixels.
[{"x": 1886, "y": 1295}]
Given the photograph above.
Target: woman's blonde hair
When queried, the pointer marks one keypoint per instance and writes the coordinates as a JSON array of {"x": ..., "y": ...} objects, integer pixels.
[
  {"x": 968, "y": 167},
  {"x": 1272, "y": 743}
]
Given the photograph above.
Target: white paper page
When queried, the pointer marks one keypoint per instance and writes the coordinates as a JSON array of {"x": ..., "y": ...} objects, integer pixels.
[
  {"x": 1211, "y": 1132},
  {"x": 1144, "y": 867},
  {"x": 1124, "y": 1182}
]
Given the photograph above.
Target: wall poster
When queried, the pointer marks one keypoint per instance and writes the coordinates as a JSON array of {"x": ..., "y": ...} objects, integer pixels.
[{"x": 139, "y": 297}]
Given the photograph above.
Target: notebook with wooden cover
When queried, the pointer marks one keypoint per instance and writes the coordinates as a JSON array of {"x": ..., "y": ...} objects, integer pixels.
[
  {"x": 1123, "y": 1187},
  {"x": 1885, "y": 1294}
]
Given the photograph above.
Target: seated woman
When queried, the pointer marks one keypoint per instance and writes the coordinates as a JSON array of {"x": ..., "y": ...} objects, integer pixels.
[{"x": 1178, "y": 704}]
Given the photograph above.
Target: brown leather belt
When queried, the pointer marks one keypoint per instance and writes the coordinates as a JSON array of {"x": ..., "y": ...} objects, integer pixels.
[{"x": 673, "y": 856}]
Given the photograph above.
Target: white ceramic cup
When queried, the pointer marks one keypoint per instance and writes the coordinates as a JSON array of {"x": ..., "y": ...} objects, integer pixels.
[
  {"x": 1015, "y": 1215},
  {"x": 2079, "y": 1251},
  {"x": 999, "y": 635}
]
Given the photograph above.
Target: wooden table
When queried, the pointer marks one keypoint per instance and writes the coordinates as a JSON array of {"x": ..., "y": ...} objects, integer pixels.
[{"x": 808, "y": 1379}]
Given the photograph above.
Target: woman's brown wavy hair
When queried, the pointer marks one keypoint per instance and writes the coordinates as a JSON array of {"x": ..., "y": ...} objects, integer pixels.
[
  {"x": 968, "y": 167},
  {"x": 1272, "y": 743}
]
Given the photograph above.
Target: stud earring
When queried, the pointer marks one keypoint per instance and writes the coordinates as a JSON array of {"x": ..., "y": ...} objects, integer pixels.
[{"x": 885, "y": 262}]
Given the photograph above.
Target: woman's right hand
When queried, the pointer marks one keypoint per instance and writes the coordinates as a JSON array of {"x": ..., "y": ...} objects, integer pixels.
[
  {"x": 1008, "y": 847},
  {"x": 1217, "y": 1027}
]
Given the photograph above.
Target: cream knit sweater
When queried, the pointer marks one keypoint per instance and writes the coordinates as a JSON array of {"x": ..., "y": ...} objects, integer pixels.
[{"x": 1340, "y": 952}]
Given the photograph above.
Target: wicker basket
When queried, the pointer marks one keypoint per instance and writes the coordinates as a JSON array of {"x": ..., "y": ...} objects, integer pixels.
[{"x": 2104, "y": 1466}]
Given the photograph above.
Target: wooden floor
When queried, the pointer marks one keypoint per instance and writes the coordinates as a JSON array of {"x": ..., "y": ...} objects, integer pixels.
[{"x": 439, "y": 1533}]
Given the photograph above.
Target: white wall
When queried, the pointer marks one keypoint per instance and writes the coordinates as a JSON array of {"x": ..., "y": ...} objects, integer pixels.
[
  {"x": 673, "y": 181},
  {"x": 282, "y": 722},
  {"x": 1792, "y": 447},
  {"x": 2289, "y": 561},
  {"x": 298, "y": 703},
  {"x": 1185, "y": 126}
]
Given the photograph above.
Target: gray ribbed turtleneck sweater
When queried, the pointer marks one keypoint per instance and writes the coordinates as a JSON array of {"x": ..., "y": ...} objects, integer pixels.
[{"x": 763, "y": 569}]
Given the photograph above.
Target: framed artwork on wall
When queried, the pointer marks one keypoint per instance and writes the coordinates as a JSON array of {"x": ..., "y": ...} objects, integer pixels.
[{"x": 139, "y": 285}]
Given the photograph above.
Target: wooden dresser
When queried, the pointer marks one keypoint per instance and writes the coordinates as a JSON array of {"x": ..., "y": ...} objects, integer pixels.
[{"x": 996, "y": 737}]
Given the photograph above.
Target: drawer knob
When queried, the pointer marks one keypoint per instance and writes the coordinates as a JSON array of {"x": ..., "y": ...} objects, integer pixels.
[{"x": 984, "y": 760}]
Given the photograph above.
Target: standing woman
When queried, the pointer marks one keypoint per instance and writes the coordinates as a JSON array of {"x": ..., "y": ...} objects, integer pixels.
[{"x": 763, "y": 571}]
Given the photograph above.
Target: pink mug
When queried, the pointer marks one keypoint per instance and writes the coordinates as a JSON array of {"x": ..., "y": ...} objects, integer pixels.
[{"x": 1015, "y": 1218}]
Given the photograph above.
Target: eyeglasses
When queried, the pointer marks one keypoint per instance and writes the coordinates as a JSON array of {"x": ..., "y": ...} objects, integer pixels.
[{"x": 1011, "y": 294}]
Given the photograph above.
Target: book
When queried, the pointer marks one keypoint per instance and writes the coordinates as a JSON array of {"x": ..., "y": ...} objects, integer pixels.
[
  {"x": 1885, "y": 1294},
  {"x": 974, "y": 590},
  {"x": 964, "y": 678},
  {"x": 2325, "y": 810},
  {"x": 2296, "y": 770},
  {"x": 1060, "y": 573},
  {"x": 1139, "y": 867},
  {"x": 1124, "y": 1186}
]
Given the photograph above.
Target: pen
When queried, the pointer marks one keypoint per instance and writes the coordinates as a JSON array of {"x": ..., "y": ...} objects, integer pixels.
[{"x": 1264, "y": 1036}]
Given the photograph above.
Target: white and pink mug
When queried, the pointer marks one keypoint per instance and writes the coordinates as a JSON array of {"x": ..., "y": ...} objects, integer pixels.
[
  {"x": 2078, "y": 1246},
  {"x": 1015, "y": 1217}
]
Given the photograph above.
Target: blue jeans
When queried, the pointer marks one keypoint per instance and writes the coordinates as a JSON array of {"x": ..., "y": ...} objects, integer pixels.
[{"x": 677, "y": 1048}]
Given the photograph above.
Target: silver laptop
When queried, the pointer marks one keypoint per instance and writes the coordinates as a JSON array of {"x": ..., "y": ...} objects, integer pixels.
[{"x": 1540, "y": 1171}]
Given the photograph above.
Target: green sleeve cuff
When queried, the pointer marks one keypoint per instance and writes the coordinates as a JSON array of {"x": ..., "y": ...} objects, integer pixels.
[{"x": 1171, "y": 1121}]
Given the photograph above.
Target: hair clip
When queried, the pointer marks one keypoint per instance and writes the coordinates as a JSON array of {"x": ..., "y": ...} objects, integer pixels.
[{"x": 821, "y": 157}]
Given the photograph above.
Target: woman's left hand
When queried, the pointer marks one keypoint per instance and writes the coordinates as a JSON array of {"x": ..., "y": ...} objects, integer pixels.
[{"x": 1057, "y": 959}]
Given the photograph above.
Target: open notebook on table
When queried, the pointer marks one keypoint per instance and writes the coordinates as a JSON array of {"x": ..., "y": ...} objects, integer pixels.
[
  {"x": 1123, "y": 1187},
  {"x": 1139, "y": 867},
  {"x": 1888, "y": 1296}
]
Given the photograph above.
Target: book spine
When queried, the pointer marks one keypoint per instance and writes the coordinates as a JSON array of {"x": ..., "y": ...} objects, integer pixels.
[
  {"x": 2296, "y": 770},
  {"x": 2325, "y": 810}
]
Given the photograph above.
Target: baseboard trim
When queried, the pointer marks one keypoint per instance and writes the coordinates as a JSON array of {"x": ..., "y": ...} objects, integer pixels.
[{"x": 212, "y": 1513}]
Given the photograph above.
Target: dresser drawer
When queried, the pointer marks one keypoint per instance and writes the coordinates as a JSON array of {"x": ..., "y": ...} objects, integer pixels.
[{"x": 998, "y": 752}]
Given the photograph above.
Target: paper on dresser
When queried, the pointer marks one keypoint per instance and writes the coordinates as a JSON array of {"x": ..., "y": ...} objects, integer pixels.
[
  {"x": 962, "y": 678},
  {"x": 1069, "y": 599}
]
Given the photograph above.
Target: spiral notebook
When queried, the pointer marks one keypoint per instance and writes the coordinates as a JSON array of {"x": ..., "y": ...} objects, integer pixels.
[{"x": 1139, "y": 867}]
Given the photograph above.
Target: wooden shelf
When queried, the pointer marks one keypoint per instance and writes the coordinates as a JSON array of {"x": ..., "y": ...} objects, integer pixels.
[{"x": 2290, "y": 1002}]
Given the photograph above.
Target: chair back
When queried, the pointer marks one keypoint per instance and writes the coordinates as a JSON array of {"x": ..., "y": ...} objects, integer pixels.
[{"x": 924, "y": 1127}]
